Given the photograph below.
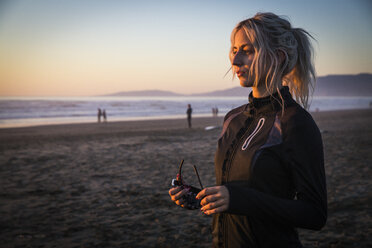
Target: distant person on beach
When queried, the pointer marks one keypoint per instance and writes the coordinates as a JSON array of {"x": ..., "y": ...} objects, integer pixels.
[
  {"x": 215, "y": 112},
  {"x": 104, "y": 115},
  {"x": 99, "y": 114},
  {"x": 188, "y": 113},
  {"x": 269, "y": 162}
]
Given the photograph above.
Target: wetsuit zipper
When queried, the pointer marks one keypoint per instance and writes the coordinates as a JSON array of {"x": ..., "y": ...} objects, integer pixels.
[
  {"x": 231, "y": 157},
  {"x": 259, "y": 125}
]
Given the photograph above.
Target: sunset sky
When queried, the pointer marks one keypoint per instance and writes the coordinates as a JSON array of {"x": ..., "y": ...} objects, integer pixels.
[{"x": 84, "y": 48}]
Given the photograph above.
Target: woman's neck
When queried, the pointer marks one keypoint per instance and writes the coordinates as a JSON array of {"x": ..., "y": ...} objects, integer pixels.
[{"x": 261, "y": 91}]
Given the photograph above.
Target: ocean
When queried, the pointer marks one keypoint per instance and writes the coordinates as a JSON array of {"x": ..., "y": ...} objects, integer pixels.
[{"x": 30, "y": 111}]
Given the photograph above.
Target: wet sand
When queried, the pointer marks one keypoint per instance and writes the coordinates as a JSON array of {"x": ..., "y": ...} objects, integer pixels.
[{"x": 106, "y": 185}]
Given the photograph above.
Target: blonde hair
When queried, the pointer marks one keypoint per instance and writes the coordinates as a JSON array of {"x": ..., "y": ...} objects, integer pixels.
[{"x": 271, "y": 35}]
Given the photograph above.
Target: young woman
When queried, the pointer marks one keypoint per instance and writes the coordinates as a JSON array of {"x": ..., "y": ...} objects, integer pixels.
[{"x": 269, "y": 162}]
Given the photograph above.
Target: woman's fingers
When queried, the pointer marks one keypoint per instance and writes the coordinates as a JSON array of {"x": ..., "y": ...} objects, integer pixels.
[
  {"x": 213, "y": 205},
  {"x": 179, "y": 195},
  {"x": 180, "y": 202},
  {"x": 207, "y": 191},
  {"x": 214, "y": 199},
  {"x": 216, "y": 210},
  {"x": 210, "y": 198},
  {"x": 174, "y": 190},
  {"x": 176, "y": 194},
  {"x": 212, "y": 194}
]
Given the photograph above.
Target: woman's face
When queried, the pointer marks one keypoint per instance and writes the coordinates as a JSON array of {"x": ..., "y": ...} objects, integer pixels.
[{"x": 241, "y": 58}]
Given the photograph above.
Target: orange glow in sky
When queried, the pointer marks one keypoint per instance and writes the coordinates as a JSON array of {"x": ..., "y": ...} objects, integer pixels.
[{"x": 70, "y": 49}]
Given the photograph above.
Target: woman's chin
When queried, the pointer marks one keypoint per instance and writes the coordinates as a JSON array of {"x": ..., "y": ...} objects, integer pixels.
[{"x": 245, "y": 83}]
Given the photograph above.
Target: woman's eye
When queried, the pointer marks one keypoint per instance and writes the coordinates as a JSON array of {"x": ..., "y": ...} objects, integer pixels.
[{"x": 248, "y": 51}]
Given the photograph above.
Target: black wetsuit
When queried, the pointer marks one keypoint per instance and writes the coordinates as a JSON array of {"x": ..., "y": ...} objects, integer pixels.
[{"x": 273, "y": 167}]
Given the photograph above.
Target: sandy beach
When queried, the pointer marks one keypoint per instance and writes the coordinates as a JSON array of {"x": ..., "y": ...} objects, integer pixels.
[{"x": 106, "y": 185}]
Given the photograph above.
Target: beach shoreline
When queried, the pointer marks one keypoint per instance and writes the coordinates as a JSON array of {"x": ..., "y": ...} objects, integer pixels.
[
  {"x": 106, "y": 184},
  {"x": 177, "y": 120},
  {"x": 91, "y": 120}
]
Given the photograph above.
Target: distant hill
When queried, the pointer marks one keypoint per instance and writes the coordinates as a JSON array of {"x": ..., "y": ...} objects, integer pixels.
[
  {"x": 331, "y": 85},
  {"x": 344, "y": 85},
  {"x": 236, "y": 91}
]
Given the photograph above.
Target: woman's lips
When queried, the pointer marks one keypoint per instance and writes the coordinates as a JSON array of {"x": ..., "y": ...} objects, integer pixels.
[{"x": 240, "y": 73}]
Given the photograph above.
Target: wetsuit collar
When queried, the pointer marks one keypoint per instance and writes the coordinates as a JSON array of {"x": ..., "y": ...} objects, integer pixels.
[{"x": 268, "y": 103}]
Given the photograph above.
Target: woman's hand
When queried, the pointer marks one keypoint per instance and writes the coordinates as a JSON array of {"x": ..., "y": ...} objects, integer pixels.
[
  {"x": 176, "y": 194},
  {"x": 214, "y": 199}
]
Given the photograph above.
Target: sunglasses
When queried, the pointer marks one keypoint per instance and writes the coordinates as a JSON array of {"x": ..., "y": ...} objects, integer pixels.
[{"x": 190, "y": 197}]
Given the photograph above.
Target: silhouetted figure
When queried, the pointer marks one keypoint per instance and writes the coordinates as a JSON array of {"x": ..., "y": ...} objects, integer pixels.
[
  {"x": 188, "y": 112},
  {"x": 99, "y": 114},
  {"x": 215, "y": 111},
  {"x": 104, "y": 115}
]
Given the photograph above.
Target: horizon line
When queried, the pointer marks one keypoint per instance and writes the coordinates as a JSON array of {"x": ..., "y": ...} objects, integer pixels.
[{"x": 164, "y": 90}]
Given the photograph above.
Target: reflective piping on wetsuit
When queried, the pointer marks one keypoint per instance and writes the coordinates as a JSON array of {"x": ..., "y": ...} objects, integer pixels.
[{"x": 256, "y": 130}]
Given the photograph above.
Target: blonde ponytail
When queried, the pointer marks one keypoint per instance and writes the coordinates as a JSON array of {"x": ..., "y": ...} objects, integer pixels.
[{"x": 301, "y": 80}]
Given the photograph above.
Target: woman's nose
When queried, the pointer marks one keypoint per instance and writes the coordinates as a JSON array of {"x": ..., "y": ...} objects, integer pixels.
[{"x": 237, "y": 59}]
